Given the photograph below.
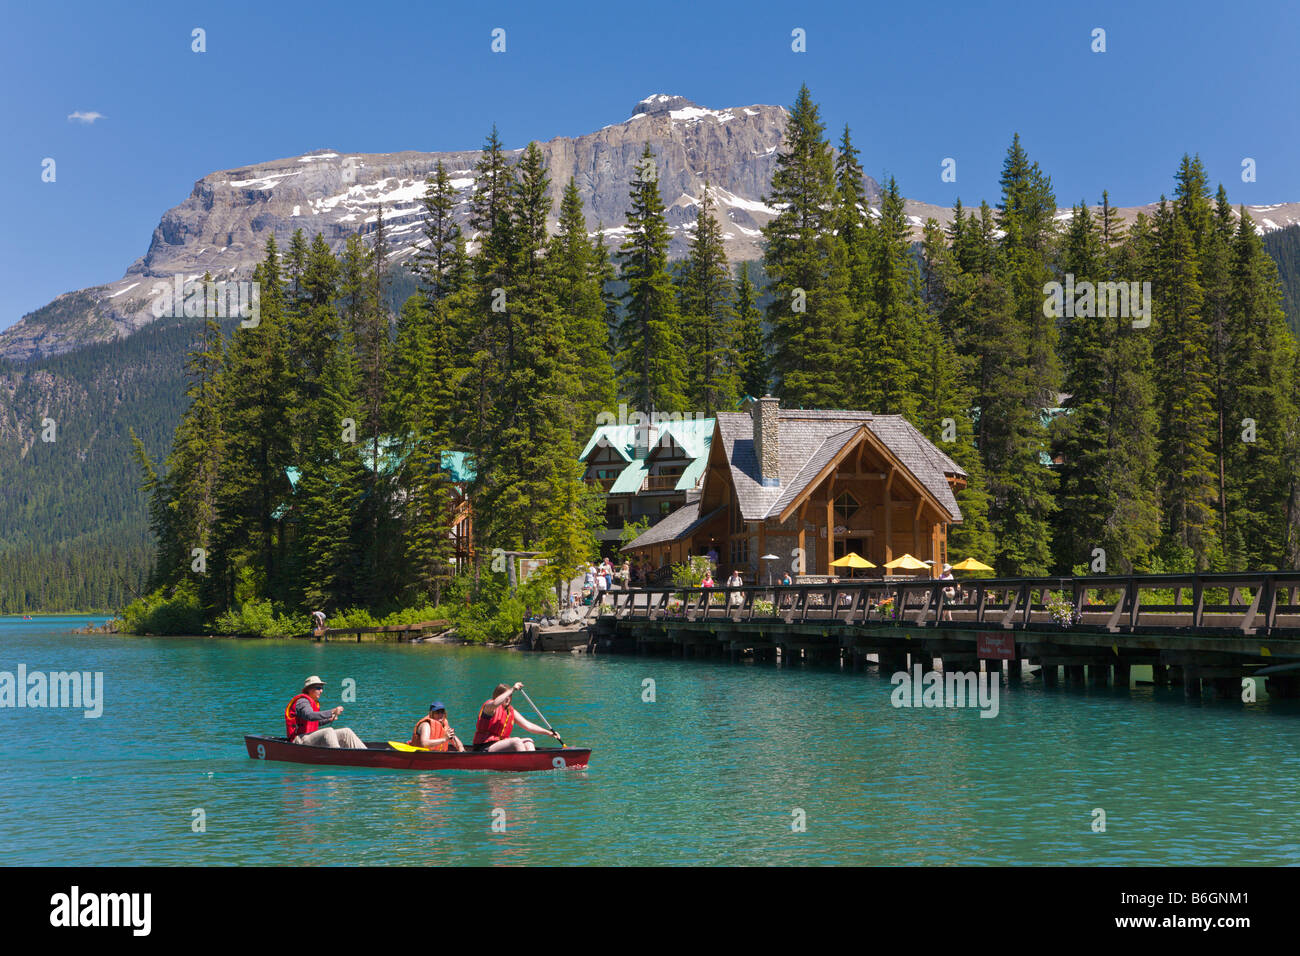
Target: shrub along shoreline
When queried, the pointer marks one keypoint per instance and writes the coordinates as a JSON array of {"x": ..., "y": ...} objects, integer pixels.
[{"x": 482, "y": 613}]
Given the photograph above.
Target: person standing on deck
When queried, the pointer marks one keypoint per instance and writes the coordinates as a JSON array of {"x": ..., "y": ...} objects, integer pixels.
[
  {"x": 496, "y": 718},
  {"x": 950, "y": 594},
  {"x": 735, "y": 581},
  {"x": 302, "y": 720},
  {"x": 432, "y": 732},
  {"x": 318, "y": 623}
]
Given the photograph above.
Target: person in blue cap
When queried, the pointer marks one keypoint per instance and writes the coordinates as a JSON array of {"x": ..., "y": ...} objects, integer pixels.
[{"x": 433, "y": 733}]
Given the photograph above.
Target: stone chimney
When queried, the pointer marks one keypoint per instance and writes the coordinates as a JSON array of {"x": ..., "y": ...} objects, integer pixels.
[
  {"x": 766, "y": 413},
  {"x": 646, "y": 435}
]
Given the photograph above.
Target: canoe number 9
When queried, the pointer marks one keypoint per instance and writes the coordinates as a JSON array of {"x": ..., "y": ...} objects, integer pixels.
[
  {"x": 558, "y": 763},
  {"x": 261, "y": 751}
]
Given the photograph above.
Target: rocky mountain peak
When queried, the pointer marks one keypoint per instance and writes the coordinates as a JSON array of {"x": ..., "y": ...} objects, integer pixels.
[{"x": 662, "y": 103}]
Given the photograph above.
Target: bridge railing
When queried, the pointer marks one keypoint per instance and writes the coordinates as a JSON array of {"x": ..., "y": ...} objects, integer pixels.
[{"x": 1247, "y": 603}]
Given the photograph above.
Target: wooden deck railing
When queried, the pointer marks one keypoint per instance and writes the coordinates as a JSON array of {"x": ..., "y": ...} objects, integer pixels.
[
  {"x": 1254, "y": 603},
  {"x": 660, "y": 482}
]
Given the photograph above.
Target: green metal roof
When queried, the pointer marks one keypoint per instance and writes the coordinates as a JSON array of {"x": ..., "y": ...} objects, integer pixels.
[
  {"x": 694, "y": 471},
  {"x": 630, "y": 478},
  {"x": 458, "y": 465},
  {"x": 622, "y": 438},
  {"x": 693, "y": 434}
]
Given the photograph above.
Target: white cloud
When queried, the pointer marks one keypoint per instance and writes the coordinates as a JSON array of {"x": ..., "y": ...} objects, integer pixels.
[{"x": 81, "y": 117}]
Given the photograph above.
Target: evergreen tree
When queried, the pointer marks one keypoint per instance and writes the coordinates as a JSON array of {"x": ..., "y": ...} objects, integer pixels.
[
  {"x": 888, "y": 361},
  {"x": 435, "y": 262},
  {"x": 330, "y": 485},
  {"x": 528, "y": 436},
  {"x": 577, "y": 276},
  {"x": 1260, "y": 415},
  {"x": 806, "y": 265},
  {"x": 708, "y": 321},
  {"x": 426, "y": 430},
  {"x": 253, "y": 484},
  {"x": 1185, "y": 467},
  {"x": 749, "y": 336},
  {"x": 853, "y": 226},
  {"x": 649, "y": 357},
  {"x": 943, "y": 414},
  {"x": 1017, "y": 363},
  {"x": 1106, "y": 441}
]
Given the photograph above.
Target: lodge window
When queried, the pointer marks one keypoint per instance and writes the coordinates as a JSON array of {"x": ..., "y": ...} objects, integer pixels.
[
  {"x": 846, "y": 506},
  {"x": 740, "y": 552}
]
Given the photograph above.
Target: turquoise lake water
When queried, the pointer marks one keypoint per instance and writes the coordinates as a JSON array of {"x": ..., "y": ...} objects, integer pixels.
[{"x": 713, "y": 772}]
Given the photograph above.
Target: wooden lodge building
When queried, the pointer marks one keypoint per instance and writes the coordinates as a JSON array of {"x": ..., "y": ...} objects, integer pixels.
[
  {"x": 646, "y": 470},
  {"x": 828, "y": 482}
]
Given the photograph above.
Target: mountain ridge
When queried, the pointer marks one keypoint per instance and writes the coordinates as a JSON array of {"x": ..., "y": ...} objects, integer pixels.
[{"x": 222, "y": 226}]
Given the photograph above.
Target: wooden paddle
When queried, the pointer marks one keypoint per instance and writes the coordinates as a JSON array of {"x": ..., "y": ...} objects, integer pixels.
[{"x": 543, "y": 716}]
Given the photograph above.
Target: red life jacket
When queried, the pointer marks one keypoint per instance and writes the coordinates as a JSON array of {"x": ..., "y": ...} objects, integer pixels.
[
  {"x": 437, "y": 728},
  {"x": 293, "y": 727},
  {"x": 489, "y": 730}
]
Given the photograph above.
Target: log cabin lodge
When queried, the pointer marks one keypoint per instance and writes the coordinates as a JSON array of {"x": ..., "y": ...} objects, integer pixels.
[{"x": 827, "y": 482}]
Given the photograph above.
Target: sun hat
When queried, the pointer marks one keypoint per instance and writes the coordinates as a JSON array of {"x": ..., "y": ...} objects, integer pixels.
[{"x": 311, "y": 682}]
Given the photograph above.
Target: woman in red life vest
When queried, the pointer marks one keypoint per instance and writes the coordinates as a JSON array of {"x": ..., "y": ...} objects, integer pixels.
[
  {"x": 496, "y": 718},
  {"x": 432, "y": 732}
]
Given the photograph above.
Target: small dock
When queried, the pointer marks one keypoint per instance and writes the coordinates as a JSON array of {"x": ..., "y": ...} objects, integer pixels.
[
  {"x": 1205, "y": 632},
  {"x": 398, "y": 633}
]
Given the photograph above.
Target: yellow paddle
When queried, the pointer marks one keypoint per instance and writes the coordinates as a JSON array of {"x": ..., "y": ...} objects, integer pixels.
[{"x": 405, "y": 748}]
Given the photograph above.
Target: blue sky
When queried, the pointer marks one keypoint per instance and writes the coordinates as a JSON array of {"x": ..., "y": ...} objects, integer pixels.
[{"x": 916, "y": 84}]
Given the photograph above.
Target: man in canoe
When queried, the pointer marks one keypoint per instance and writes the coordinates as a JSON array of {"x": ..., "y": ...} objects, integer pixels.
[
  {"x": 496, "y": 718},
  {"x": 303, "y": 719},
  {"x": 432, "y": 732}
]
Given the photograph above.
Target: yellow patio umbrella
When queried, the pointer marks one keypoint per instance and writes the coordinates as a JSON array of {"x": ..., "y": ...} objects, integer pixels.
[
  {"x": 970, "y": 564},
  {"x": 908, "y": 562},
  {"x": 852, "y": 560}
]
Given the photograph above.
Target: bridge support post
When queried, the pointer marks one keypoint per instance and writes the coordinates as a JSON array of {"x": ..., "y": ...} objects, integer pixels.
[
  {"x": 1015, "y": 669},
  {"x": 1074, "y": 674},
  {"x": 1051, "y": 675},
  {"x": 1282, "y": 685},
  {"x": 1224, "y": 688},
  {"x": 1099, "y": 674},
  {"x": 1160, "y": 675},
  {"x": 1123, "y": 676},
  {"x": 1191, "y": 681},
  {"x": 893, "y": 661},
  {"x": 925, "y": 659}
]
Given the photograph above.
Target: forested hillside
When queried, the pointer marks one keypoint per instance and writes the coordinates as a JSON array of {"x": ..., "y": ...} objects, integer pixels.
[
  {"x": 1176, "y": 448},
  {"x": 74, "y": 525},
  {"x": 1284, "y": 247}
]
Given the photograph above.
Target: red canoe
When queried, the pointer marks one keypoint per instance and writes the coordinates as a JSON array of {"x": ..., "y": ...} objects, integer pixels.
[{"x": 380, "y": 754}]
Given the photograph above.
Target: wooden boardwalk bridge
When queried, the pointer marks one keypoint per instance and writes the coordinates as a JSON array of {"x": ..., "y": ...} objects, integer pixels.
[{"x": 1203, "y": 631}]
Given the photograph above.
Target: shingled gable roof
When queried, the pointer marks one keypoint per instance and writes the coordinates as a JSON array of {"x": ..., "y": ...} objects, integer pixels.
[
  {"x": 682, "y": 522},
  {"x": 810, "y": 439}
]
